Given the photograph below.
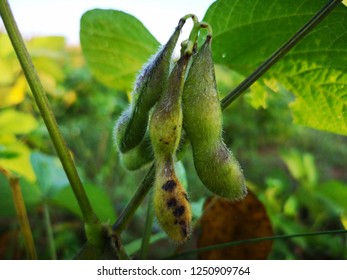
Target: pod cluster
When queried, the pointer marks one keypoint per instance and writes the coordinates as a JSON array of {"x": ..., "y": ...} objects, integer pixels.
[{"x": 166, "y": 100}]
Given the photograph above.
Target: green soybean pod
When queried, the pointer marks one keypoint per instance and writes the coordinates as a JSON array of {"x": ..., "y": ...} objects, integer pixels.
[
  {"x": 215, "y": 164},
  {"x": 139, "y": 156},
  {"x": 149, "y": 85}
]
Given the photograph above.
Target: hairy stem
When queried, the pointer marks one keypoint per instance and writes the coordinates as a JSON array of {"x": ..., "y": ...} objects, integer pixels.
[
  {"x": 282, "y": 51},
  {"x": 46, "y": 112}
]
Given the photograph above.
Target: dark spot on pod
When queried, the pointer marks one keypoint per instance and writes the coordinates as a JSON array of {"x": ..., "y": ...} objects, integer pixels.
[
  {"x": 167, "y": 143},
  {"x": 175, "y": 222},
  {"x": 172, "y": 202},
  {"x": 183, "y": 228},
  {"x": 178, "y": 211},
  {"x": 160, "y": 139},
  {"x": 175, "y": 127},
  {"x": 169, "y": 186}
]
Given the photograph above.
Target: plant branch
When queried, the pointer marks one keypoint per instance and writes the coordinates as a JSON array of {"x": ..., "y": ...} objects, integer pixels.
[
  {"x": 21, "y": 213},
  {"x": 135, "y": 201},
  {"x": 49, "y": 231},
  {"x": 46, "y": 112},
  {"x": 255, "y": 240},
  {"x": 282, "y": 51},
  {"x": 148, "y": 230}
]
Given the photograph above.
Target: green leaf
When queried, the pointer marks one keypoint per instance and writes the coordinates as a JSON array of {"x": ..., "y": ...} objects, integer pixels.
[
  {"x": 301, "y": 166},
  {"x": 335, "y": 194},
  {"x": 49, "y": 172},
  {"x": 247, "y": 32},
  {"x": 98, "y": 198},
  {"x": 14, "y": 122},
  {"x": 115, "y": 45},
  {"x": 20, "y": 163}
]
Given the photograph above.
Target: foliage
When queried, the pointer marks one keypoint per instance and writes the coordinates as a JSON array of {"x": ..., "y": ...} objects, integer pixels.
[{"x": 301, "y": 182}]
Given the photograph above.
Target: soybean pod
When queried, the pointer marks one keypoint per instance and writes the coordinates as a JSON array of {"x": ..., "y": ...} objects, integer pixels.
[
  {"x": 171, "y": 203},
  {"x": 215, "y": 164},
  {"x": 150, "y": 83}
]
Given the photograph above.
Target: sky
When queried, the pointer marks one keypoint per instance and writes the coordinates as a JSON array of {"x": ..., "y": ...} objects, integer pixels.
[{"x": 62, "y": 17}]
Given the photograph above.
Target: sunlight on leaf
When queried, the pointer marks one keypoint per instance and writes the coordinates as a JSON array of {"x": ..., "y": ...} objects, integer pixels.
[
  {"x": 301, "y": 166},
  {"x": 9, "y": 66},
  {"x": 13, "y": 95},
  {"x": 344, "y": 220},
  {"x": 15, "y": 122},
  {"x": 258, "y": 96},
  {"x": 21, "y": 163},
  {"x": 314, "y": 71},
  {"x": 225, "y": 221}
]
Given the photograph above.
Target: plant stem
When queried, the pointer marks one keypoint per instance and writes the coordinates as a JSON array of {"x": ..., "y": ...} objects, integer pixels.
[
  {"x": 21, "y": 213},
  {"x": 50, "y": 237},
  {"x": 135, "y": 201},
  {"x": 282, "y": 51},
  {"x": 46, "y": 112},
  {"x": 148, "y": 231},
  {"x": 255, "y": 240}
]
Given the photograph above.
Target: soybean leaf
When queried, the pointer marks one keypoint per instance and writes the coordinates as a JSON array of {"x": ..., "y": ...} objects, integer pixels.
[
  {"x": 15, "y": 122},
  {"x": 49, "y": 173},
  {"x": 334, "y": 193},
  {"x": 115, "y": 45},
  {"x": 98, "y": 198},
  {"x": 247, "y": 32}
]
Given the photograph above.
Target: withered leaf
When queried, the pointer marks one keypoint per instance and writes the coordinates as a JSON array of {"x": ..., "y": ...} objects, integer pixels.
[{"x": 226, "y": 221}]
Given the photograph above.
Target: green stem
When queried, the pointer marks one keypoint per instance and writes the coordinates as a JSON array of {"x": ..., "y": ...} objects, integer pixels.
[
  {"x": 192, "y": 16},
  {"x": 282, "y": 51},
  {"x": 50, "y": 237},
  {"x": 135, "y": 201},
  {"x": 46, "y": 112},
  {"x": 148, "y": 231},
  {"x": 255, "y": 240},
  {"x": 21, "y": 214},
  {"x": 192, "y": 39}
]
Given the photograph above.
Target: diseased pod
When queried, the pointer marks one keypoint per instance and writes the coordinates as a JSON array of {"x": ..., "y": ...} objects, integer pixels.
[
  {"x": 171, "y": 203},
  {"x": 216, "y": 166}
]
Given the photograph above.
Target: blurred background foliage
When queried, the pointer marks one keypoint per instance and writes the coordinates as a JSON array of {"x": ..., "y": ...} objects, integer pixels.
[{"x": 298, "y": 173}]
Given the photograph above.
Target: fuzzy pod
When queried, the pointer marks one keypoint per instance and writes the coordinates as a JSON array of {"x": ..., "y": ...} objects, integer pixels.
[
  {"x": 166, "y": 119},
  {"x": 215, "y": 164},
  {"x": 139, "y": 156},
  {"x": 149, "y": 85},
  {"x": 171, "y": 203}
]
